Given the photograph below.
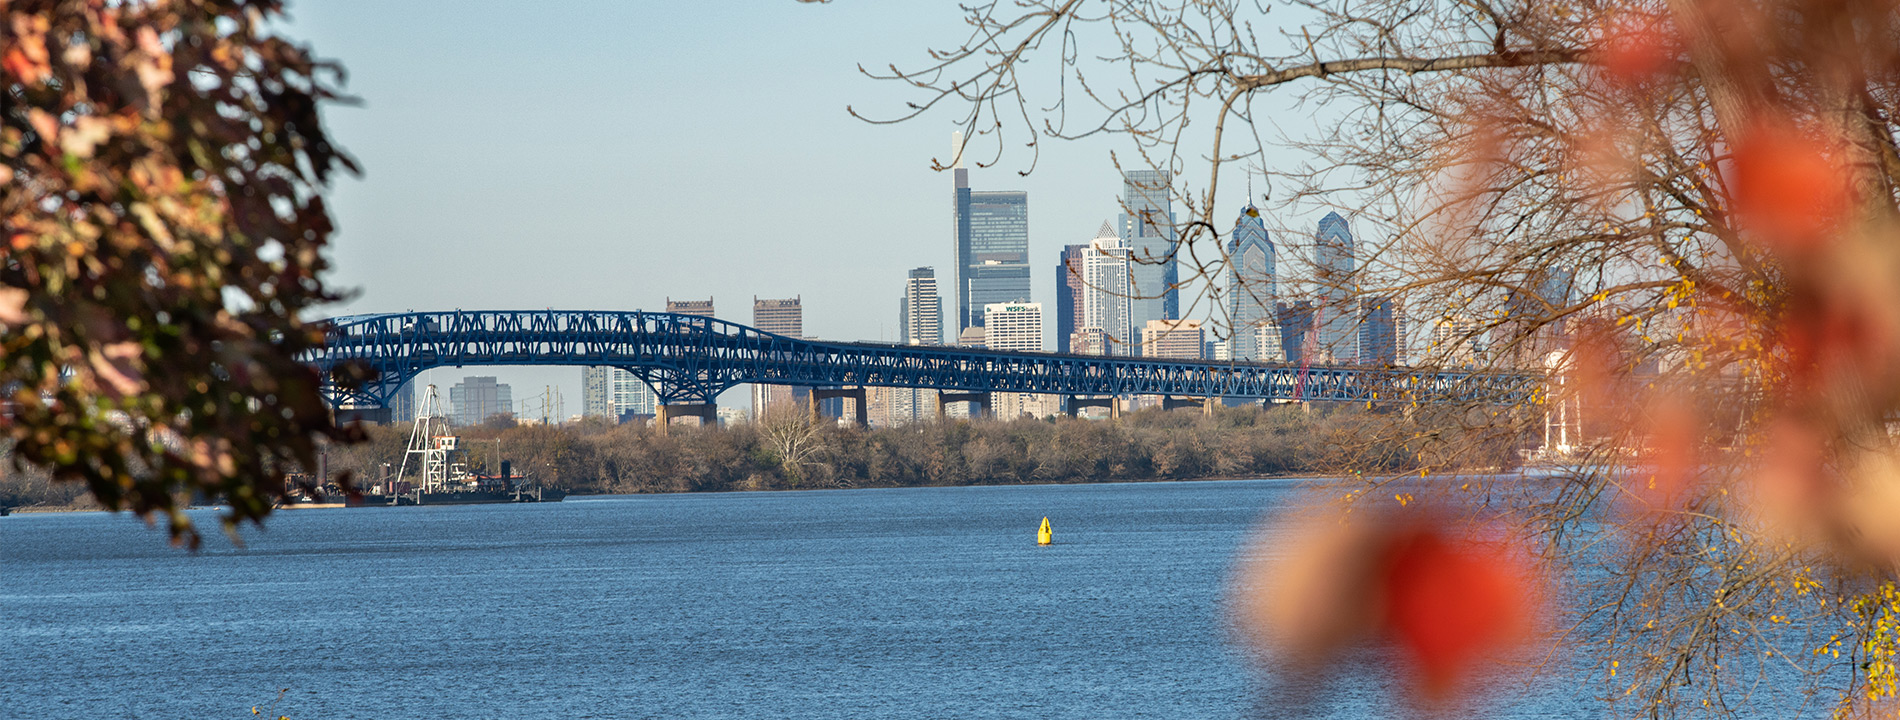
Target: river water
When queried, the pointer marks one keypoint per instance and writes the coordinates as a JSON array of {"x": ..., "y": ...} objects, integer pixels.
[{"x": 891, "y": 603}]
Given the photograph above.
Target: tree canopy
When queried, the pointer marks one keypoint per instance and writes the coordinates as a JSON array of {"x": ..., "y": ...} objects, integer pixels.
[{"x": 163, "y": 229}]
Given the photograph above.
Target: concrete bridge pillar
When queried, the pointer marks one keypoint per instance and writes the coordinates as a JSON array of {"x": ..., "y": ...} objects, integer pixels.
[
  {"x": 982, "y": 400},
  {"x": 857, "y": 396},
  {"x": 1169, "y": 402},
  {"x": 708, "y": 414},
  {"x": 1073, "y": 405}
]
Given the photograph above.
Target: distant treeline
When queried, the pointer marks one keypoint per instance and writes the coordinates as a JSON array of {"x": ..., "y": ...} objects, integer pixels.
[{"x": 790, "y": 451}]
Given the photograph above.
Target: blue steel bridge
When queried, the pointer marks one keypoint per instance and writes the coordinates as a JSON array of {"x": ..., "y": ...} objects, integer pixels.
[{"x": 688, "y": 360}]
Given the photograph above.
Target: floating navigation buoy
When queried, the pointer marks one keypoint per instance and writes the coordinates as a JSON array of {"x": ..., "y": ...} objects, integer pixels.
[{"x": 1043, "y": 536}]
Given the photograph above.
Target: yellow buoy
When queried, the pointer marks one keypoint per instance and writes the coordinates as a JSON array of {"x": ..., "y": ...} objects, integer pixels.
[{"x": 1043, "y": 536}]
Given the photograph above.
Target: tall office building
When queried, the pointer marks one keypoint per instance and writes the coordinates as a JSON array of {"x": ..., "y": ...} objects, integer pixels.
[
  {"x": 1296, "y": 332},
  {"x": 992, "y": 239},
  {"x": 1338, "y": 308},
  {"x": 1147, "y": 228},
  {"x": 1015, "y": 327},
  {"x": 475, "y": 399},
  {"x": 1173, "y": 339},
  {"x": 1069, "y": 284},
  {"x": 702, "y": 308},
  {"x": 780, "y": 317},
  {"x": 402, "y": 405},
  {"x": 920, "y": 311},
  {"x": 1251, "y": 291},
  {"x": 1381, "y": 331},
  {"x": 615, "y": 394},
  {"x": 1107, "y": 324}
]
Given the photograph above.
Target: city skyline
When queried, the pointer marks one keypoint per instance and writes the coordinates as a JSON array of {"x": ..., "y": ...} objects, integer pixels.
[{"x": 444, "y": 217}]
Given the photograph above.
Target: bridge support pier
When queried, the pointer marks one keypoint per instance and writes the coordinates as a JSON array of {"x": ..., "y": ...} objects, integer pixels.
[
  {"x": 708, "y": 414},
  {"x": 1074, "y": 405},
  {"x": 1206, "y": 404},
  {"x": 857, "y": 396},
  {"x": 982, "y": 400}
]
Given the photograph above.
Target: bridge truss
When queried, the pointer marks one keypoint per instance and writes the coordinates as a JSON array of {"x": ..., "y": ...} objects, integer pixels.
[{"x": 690, "y": 359}]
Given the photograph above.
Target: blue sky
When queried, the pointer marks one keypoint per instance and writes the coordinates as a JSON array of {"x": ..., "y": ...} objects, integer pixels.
[{"x": 609, "y": 155}]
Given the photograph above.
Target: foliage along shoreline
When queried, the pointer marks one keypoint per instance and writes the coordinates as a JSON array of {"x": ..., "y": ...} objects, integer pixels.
[{"x": 789, "y": 451}]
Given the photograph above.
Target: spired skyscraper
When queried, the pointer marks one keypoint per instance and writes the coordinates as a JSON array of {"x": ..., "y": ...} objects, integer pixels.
[
  {"x": 1336, "y": 313},
  {"x": 992, "y": 234},
  {"x": 1147, "y": 230},
  {"x": 1251, "y": 292}
]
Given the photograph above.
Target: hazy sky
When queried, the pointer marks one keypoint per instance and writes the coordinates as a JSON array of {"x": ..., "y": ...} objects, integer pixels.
[{"x": 609, "y": 155}]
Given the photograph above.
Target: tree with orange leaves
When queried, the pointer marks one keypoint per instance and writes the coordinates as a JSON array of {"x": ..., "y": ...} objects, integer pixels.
[
  {"x": 161, "y": 235},
  {"x": 1684, "y": 210}
]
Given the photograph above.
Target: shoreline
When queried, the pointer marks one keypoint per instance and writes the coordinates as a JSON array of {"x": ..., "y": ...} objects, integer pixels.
[{"x": 88, "y": 507}]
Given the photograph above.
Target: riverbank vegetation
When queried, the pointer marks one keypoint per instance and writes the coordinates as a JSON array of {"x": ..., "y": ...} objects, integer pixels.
[{"x": 790, "y": 451}]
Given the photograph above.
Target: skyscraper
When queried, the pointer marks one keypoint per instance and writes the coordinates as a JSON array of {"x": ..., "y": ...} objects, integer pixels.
[
  {"x": 1251, "y": 290},
  {"x": 1015, "y": 327},
  {"x": 1172, "y": 339},
  {"x": 920, "y": 311},
  {"x": 402, "y": 405},
  {"x": 701, "y": 308},
  {"x": 992, "y": 245},
  {"x": 1147, "y": 228},
  {"x": 475, "y": 399},
  {"x": 615, "y": 394},
  {"x": 919, "y": 322},
  {"x": 1069, "y": 284},
  {"x": 779, "y": 317},
  {"x": 1337, "y": 311},
  {"x": 1105, "y": 296},
  {"x": 1381, "y": 330},
  {"x": 1296, "y": 331}
]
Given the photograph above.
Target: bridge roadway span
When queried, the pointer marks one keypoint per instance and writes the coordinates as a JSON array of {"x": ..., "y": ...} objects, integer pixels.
[{"x": 690, "y": 360}]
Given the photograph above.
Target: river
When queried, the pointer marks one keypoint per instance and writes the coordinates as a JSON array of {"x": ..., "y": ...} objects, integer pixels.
[{"x": 889, "y": 603}]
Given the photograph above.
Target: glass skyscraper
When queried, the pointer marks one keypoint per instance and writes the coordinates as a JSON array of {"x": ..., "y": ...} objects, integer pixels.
[
  {"x": 1251, "y": 291},
  {"x": 1069, "y": 295},
  {"x": 1338, "y": 290},
  {"x": 992, "y": 236},
  {"x": 1147, "y": 230}
]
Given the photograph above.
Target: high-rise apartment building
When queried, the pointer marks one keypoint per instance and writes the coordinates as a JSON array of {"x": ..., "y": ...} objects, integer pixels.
[
  {"x": 992, "y": 246},
  {"x": 1106, "y": 316},
  {"x": 1173, "y": 339},
  {"x": 1147, "y": 229},
  {"x": 919, "y": 322},
  {"x": 615, "y": 394},
  {"x": 701, "y": 308},
  {"x": 920, "y": 311},
  {"x": 1069, "y": 285},
  {"x": 475, "y": 399},
  {"x": 1251, "y": 291},
  {"x": 1337, "y": 291},
  {"x": 779, "y": 317},
  {"x": 1381, "y": 331}
]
